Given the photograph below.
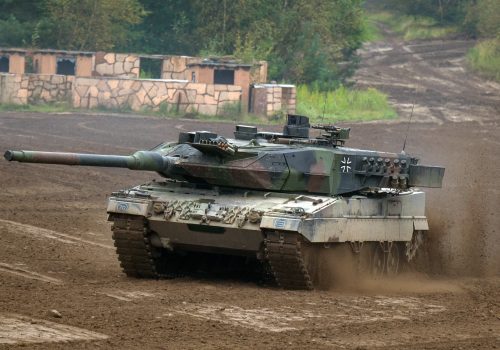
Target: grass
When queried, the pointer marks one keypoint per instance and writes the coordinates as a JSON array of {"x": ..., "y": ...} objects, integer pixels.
[
  {"x": 371, "y": 31},
  {"x": 485, "y": 58},
  {"x": 409, "y": 27},
  {"x": 343, "y": 104},
  {"x": 40, "y": 108}
]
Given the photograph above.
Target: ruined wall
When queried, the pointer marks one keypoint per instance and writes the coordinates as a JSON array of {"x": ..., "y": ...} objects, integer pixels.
[
  {"x": 258, "y": 73},
  {"x": 175, "y": 67},
  {"x": 288, "y": 98},
  {"x": 34, "y": 88},
  {"x": 152, "y": 94},
  {"x": 44, "y": 63},
  {"x": 269, "y": 99},
  {"x": 17, "y": 63},
  {"x": 83, "y": 66},
  {"x": 116, "y": 65}
]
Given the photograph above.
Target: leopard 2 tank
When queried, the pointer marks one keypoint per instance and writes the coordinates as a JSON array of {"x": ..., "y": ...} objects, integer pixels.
[{"x": 280, "y": 200}]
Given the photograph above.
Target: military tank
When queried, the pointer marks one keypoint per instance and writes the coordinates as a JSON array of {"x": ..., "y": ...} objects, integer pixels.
[{"x": 278, "y": 199}]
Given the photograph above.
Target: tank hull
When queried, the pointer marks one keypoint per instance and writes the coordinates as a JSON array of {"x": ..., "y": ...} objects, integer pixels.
[{"x": 181, "y": 217}]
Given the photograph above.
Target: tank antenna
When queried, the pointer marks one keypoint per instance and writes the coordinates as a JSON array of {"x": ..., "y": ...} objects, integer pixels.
[
  {"x": 408, "y": 127},
  {"x": 324, "y": 109}
]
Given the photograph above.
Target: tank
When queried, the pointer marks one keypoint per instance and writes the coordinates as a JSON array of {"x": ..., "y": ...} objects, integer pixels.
[{"x": 279, "y": 201}]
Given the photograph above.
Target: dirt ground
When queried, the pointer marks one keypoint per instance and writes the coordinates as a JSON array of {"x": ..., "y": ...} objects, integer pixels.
[{"x": 56, "y": 251}]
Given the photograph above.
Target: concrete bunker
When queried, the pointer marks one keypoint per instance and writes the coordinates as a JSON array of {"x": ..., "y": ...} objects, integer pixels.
[{"x": 222, "y": 71}]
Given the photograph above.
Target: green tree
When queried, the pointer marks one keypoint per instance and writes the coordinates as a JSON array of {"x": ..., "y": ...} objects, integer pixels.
[
  {"x": 17, "y": 21},
  {"x": 92, "y": 24},
  {"x": 488, "y": 18}
]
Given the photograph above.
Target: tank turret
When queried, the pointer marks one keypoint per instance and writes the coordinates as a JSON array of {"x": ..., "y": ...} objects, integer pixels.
[{"x": 287, "y": 162}]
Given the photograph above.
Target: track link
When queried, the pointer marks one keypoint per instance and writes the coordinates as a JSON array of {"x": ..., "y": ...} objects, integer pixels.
[
  {"x": 130, "y": 235},
  {"x": 283, "y": 252}
]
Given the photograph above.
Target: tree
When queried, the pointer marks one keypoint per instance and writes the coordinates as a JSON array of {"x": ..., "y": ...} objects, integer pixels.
[
  {"x": 17, "y": 21},
  {"x": 92, "y": 24}
]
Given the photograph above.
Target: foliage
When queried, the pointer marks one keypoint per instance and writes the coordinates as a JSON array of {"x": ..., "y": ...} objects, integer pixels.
[
  {"x": 472, "y": 17},
  {"x": 92, "y": 24},
  {"x": 343, "y": 104},
  {"x": 304, "y": 41},
  {"x": 414, "y": 27},
  {"x": 371, "y": 31},
  {"x": 486, "y": 15},
  {"x": 485, "y": 58}
]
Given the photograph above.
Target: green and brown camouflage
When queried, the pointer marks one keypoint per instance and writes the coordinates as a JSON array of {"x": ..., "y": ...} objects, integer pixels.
[
  {"x": 284, "y": 162},
  {"x": 281, "y": 199}
]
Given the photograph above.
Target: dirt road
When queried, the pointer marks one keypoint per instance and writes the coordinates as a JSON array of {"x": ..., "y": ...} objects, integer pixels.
[
  {"x": 431, "y": 76},
  {"x": 56, "y": 253}
]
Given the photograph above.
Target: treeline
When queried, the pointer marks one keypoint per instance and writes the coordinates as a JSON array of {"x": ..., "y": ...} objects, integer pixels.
[
  {"x": 476, "y": 18},
  {"x": 305, "y": 41}
]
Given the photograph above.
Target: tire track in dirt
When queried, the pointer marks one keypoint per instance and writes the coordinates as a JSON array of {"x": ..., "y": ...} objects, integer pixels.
[
  {"x": 20, "y": 271},
  {"x": 38, "y": 232},
  {"x": 430, "y": 74},
  {"x": 17, "y": 329}
]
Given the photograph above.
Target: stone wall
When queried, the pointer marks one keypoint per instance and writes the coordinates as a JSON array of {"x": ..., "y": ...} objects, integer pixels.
[
  {"x": 176, "y": 67},
  {"x": 34, "y": 88},
  {"x": 140, "y": 94},
  {"x": 143, "y": 94},
  {"x": 269, "y": 99},
  {"x": 116, "y": 65}
]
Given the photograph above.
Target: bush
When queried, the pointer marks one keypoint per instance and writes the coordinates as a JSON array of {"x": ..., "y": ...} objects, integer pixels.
[{"x": 485, "y": 58}]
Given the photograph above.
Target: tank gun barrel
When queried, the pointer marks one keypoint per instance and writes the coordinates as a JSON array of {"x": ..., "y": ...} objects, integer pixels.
[{"x": 141, "y": 160}]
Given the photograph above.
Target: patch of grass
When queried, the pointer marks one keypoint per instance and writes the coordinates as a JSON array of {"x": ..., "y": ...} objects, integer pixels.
[
  {"x": 485, "y": 58},
  {"x": 412, "y": 27},
  {"x": 343, "y": 104},
  {"x": 371, "y": 31},
  {"x": 58, "y": 107}
]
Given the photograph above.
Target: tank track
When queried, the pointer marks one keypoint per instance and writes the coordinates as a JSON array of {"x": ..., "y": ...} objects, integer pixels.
[
  {"x": 130, "y": 236},
  {"x": 283, "y": 253}
]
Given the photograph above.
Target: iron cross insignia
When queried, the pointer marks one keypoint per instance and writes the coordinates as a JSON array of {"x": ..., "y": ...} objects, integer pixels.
[{"x": 346, "y": 164}]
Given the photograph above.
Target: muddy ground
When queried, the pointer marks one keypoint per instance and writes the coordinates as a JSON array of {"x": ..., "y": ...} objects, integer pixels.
[{"x": 56, "y": 250}]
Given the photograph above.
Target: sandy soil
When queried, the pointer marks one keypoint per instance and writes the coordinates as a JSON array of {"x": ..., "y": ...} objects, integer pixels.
[{"x": 56, "y": 251}]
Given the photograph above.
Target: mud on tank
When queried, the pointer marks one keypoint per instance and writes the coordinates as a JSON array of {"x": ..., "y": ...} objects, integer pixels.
[{"x": 282, "y": 201}]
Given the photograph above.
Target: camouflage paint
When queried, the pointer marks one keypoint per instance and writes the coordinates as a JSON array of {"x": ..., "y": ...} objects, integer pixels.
[{"x": 284, "y": 164}]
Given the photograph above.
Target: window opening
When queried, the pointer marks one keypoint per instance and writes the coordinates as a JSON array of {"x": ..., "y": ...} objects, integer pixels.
[
  {"x": 224, "y": 76},
  {"x": 4, "y": 64},
  {"x": 29, "y": 66},
  {"x": 65, "y": 66},
  {"x": 151, "y": 68}
]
